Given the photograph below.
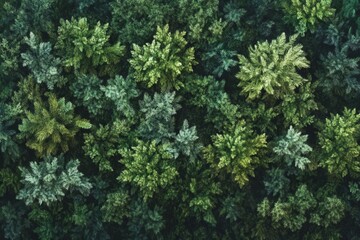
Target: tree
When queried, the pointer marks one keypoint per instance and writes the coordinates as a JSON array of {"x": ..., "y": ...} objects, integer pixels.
[
  {"x": 85, "y": 48},
  {"x": 148, "y": 166},
  {"x": 163, "y": 61},
  {"x": 297, "y": 108},
  {"x": 186, "y": 141},
  {"x": 9, "y": 148},
  {"x": 200, "y": 19},
  {"x": 271, "y": 69},
  {"x": 52, "y": 126},
  {"x": 9, "y": 59},
  {"x": 33, "y": 15},
  {"x": 157, "y": 116},
  {"x": 339, "y": 72},
  {"x": 305, "y": 14},
  {"x": 115, "y": 208},
  {"x": 276, "y": 183},
  {"x": 47, "y": 181},
  {"x": 292, "y": 149},
  {"x": 207, "y": 92},
  {"x": 219, "y": 60},
  {"x": 102, "y": 145},
  {"x": 338, "y": 140},
  {"x": 236, "y": 152},
  {"x": 86, "y": 89},
  {"x": 43, "y": 65},
  {"x": 135, "y": 22},
  {"x": 120, "y": 91},
  {"x": 291, "y": 213}
]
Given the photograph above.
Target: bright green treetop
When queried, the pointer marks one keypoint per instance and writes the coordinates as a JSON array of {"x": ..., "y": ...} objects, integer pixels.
[
  {"x": 306, "y": 14},
  {"x": 85, "y": 48},
  {"x": 271, "y": 68},
  {"x": 163, "y": 60},
  {"x": 148, "y": 166},
  {"x": 236, "y": 152},
  {"x": 339, "y": 143}
]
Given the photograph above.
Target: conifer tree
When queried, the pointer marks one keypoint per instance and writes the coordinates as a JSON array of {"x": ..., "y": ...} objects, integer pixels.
[
  {"x": 292, "y": 147},
  {"x": 52, "y": 126},
  {"x": 48, "y": 180},
  {"x": 271, "y": 69},
  {"x": 236, "y": 152},
  {"x": 338, "y": 140},
  {"x": 305, "y": 14},
  {"x": 43, "y": 65},
  {"x": 148, "y": 166},
  {"x": 86, "y": 48},
  {"x": 164, "y": 60}
]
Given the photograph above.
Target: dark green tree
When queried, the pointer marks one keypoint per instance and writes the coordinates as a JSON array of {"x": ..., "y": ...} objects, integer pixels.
[{"x": 42, "y": 64}]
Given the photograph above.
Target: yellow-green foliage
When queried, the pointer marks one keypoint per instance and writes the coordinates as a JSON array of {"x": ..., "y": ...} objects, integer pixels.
[
  {"x": 339, "y": 143},
  {"x": 306, "y": 14},
  {"x": 236, "y": 152},
  {"x": 271, "y": 68},
  {"x": 51, "y": 127},
  {"x": 163, "y": 60},
  {"x": 86, "y": 48}
]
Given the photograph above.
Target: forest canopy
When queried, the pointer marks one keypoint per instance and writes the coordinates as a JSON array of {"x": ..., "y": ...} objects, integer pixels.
[{"x": 183, "y": 119}]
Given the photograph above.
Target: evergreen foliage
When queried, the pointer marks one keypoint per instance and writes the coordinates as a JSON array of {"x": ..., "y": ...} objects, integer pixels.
[
  {"x": 271, "y": 68},
  {"x": 52, "y": 126},
  {"x": 305, "y": 14},
  {"x": 292, "y": 148},
  {"x": 103, "y": 143},
  {"x": 86, "y": 89},
  {"x": 85, "y": 48},
  {"x": 120, "y": 91},
  {"x": 187, "y": 119},
  {"x": 338, "y": 139},
  {"x": 47, "y": 181},
  {"x": 148, "y": 166},
  {"x": 43, "y": 65},
  {"x": 163, "y": 60},
  {"x": 158, "y": 116},
  {"x": 236, "y": 152}
]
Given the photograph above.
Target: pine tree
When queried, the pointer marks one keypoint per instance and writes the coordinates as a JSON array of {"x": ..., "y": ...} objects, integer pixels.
[
  {"x": 157, "y": 116},
  {"x": 86, "y": 89},
  {"x": 86, "y": 48},
  {"x": 43, "y": 65},
  {"x": 51, "y": 127},
  {"x": 305, "y": 14},
  {"x": 209, "y": 93},
  {"x": 47, "y": 181},
  {"x": 164, "y": 60},
  {"x": 236, "y": 152},
  {"x": 186, "y": 141},
  {"x": 148, "y": 166},
  {"x": 292, "y": 149},
  {"x": 121, "y": 91},
  {"x": 103, "y": 143},
  {"x": 271, "y": 69},
  {"x": 338, "y": 140},
  {"x": 9, "y": 149}
]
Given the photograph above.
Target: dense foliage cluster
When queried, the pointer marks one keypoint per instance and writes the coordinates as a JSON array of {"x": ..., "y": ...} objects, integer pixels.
[{"x": 184, "y": 119}]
